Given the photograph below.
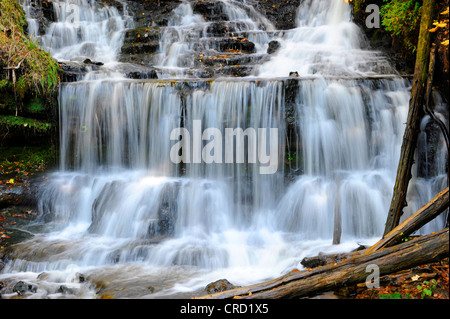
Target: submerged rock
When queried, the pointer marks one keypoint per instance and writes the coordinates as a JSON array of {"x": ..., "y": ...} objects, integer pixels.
[
  {"x": 65, "y": 290},
  {"x": 89, "y": 61},
  {"x": 21, "y": 287},
  {"x": 273, "y": 46}
]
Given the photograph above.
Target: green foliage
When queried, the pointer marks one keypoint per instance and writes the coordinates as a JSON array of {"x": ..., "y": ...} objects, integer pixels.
[
  {"x": 401, "y": 18},
  {"x": 12, "y": 15},
  {"x": 395, "y": 295},
  {"x": 358, "y": 6},
  {"x": 26, "y": 123},
  {"x": 427, "y": 288},
  {"x": 18, "y": 163},
  {"x": 35, "y": 105}
]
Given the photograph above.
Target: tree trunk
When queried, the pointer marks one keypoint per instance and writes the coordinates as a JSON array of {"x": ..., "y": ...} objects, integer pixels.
[
  {"x": 358, "y": 269},
  {"x": 414, "y": 116}
]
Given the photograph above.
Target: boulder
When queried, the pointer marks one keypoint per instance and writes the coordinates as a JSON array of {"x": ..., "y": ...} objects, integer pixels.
[
  {"x": 219, "y": 286},
  {"x": 273, "y": 46},
  {"x": 21, "y": 287}
]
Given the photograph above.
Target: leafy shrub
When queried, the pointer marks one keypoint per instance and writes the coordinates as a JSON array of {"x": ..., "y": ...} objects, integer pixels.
[{"x": 401, "y": 18}]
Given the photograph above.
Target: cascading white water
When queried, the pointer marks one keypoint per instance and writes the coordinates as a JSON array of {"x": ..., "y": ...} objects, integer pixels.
[
  {"x": 33, "y": 22},
  {"x": 85, "y": 29},
  {"x": 325, "y": 42},
  {"x": 350, "y": 135},
  {"x": 119, "y": 210},
  {"x": 186, "y": 31}
]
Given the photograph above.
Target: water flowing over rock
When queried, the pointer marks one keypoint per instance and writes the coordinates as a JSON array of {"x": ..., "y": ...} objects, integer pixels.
[{"x": 126, "y": 205}]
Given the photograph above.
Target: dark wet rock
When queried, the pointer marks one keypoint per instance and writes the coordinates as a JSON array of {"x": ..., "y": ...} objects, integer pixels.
[
  {"x": 231, "y": 71},
  {"x": 293, "y": 74},
  {"x": 313, "y": 262},
  {"x": 114, "y": 3},
  {"x": 212, "y": 10},
  {"x": 141, "y": 59},
  {"x": 133, "y": 71},
  {"x": 81, "y": 278},
  {"x": 235, "y": 44},
  {"x": 104, "y": 202},
  {"x": 89, "y": 61},
  {"x": 151, "y": 12},
  {"x": 221, "y": 28},
  {"x": 219, "y": 286},
  {"x": 142, "y": 35},
  {"x": 293, "y": 132},
  {"x": 21, "y": 287},
  {"x": 47, "y": 11},
  {"x": 165, "y": 225},
  {"x": 43, "y": 276},
  {"x": 73, "y": 70},
  {"x": 273, "y": 47},
  {"x": 19, "y": 195},
  {"x": 282, "y": 14},
  {"x": 65, "y": 290},
  {"x": 142, "y": 75},
  {"x": 140, "y": 48}
]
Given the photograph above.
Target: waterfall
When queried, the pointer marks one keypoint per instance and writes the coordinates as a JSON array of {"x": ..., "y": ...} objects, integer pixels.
[
  {"x": 325, "y": 42},
  {"x": 84, "y": 29},
  {"x": 188, "y": 35},
  {"x": 121, "y": 210}
]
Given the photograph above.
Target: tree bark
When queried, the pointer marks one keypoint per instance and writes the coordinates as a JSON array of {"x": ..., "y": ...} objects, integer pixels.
[
  {"x": 415, "y": 114},
  {"x": 305, "y": 283}
]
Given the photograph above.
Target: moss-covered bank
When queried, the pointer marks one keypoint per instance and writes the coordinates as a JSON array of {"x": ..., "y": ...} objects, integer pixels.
[{"x": 29, "y": 79}]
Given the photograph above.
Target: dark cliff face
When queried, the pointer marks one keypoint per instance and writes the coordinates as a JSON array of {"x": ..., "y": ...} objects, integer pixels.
[{"x": 281, "y": 13}]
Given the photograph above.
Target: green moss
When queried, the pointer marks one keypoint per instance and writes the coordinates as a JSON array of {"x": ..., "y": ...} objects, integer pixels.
[
  {"x": 12, "y": 15},
  {"x": 35, "y": 70},
  {"x": 35, "y": 105},
  {"x": 18, "y": 121}
]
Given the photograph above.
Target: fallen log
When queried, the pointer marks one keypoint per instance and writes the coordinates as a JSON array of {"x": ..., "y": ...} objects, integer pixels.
[
  {"x": 352, "y": 271},
  {"x": 428, "y": 212}
]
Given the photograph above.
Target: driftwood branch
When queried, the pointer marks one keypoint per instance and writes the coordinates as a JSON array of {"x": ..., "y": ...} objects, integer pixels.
[
  {"x": 14, "y": 67},
  {"x": 428, "y": 212}
]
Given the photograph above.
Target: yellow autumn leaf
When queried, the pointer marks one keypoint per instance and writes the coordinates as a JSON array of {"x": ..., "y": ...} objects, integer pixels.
[
  {"x": 444, "y": 42},
  {"x": 445, "y": 12},
  {"x": 433, "y": 30},
  {"x": 11, "y": 181}
]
